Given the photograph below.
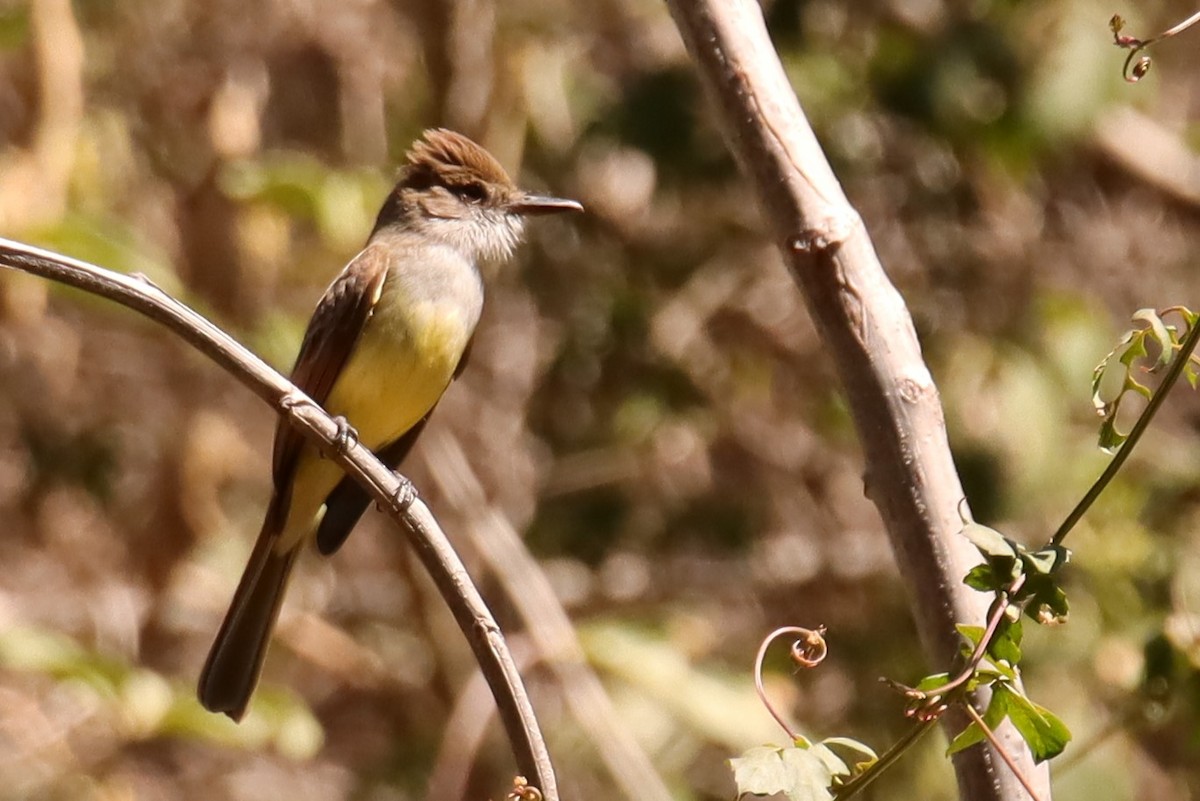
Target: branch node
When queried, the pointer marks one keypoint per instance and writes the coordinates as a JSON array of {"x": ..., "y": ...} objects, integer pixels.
[
  {"x": 291, "y": 401},
  {"x": 829, "y": 234},
  {"x": 145, "y": 279}
]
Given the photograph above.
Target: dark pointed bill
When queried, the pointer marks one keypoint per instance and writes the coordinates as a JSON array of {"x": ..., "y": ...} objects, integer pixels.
[{"x": 527, "y": 203}]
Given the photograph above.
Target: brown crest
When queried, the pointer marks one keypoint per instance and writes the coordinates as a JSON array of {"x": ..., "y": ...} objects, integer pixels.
[{"x": 453, "y": 159}]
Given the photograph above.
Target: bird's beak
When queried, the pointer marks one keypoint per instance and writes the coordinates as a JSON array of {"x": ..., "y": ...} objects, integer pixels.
[{"x": 530, "y": 204}]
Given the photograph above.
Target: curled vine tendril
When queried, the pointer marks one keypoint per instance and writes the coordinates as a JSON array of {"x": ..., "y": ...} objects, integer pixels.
[
  {"x": 807, "y": 651},
  {"x": 523, "y": 791},
  {"x": 1136, "y": 66}
]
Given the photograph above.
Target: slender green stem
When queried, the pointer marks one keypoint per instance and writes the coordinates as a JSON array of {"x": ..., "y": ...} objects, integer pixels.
[
  {"x": 885, "y": 761},
  {"x": 1172, "y": 375},
  {"x": 999, "y": 607}
]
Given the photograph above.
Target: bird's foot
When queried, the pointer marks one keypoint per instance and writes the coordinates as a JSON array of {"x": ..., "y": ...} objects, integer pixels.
[
  {"x": 405, "y": 495},
  {"x": 346, "y": 437}
]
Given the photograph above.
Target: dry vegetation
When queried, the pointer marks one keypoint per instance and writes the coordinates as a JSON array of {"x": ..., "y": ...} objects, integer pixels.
[{"x": 647, "y": 402}]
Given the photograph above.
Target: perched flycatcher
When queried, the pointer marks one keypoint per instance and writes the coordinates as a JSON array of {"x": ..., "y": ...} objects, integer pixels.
[{"x": 385, "y": 341}]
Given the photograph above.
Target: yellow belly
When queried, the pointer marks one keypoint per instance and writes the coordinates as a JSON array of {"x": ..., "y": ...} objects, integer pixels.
[{"x": 404, "y": 360}]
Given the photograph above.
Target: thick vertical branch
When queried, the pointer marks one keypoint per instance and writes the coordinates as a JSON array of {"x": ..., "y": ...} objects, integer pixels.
[{"x": 910, "y": 475}]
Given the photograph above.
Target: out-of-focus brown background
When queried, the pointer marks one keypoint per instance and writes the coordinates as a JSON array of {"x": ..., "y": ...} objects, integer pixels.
[{"x": 647, "y": 402}]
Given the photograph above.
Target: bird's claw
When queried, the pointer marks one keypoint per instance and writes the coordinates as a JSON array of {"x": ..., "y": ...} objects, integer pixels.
[
  {"x": 405, "y": 494},
  {"x": 346, "y": 437}
]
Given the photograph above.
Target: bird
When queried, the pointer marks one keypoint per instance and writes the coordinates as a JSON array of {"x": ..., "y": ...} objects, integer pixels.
[{"x": 388, "y": 336}]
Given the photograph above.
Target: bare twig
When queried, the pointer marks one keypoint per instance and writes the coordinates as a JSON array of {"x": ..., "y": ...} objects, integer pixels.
[
  {"x": 910, "y": 474},
  {"x": 424, "y": 534}
]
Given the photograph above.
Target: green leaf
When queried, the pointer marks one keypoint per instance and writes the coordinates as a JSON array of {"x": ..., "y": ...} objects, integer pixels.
[
  {"x": 1048, "y": 604},
  {"x": 1044, "y": 732},
  {"x": 830, "y": 760},
  {"x": 991, "y": 543},
  {"x": 1110, "y": 438},
  {"x": 973, "y": 733},
  {"x": 760, "y": 771},
  {"x": 1006, "y": 644},
  {"x": 1048, "y": 560},
  {"x": 991, "y": 674},
  {"x": 982, "y": 578},
  {"x": 802, "y": 774},
  {"x": 811, "y": 777},
  {"x": 1162, "y": 333},
  {"x": 1136, "y": 350},
  {"x": 932, "y": 683},
  {"x": 1000, "y": 554},
  {"x": 866, "y": 756},
  {"x": 966, "y": 738},
  {"x": 1108, "y": 377},
  {"x": 972, "y": 634}
]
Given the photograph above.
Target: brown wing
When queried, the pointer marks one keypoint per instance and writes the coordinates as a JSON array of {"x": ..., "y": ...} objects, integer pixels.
[{"x": 332, "y": 333}]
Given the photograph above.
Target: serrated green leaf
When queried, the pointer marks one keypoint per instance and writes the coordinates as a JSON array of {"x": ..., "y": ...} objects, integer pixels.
[
  {"x": 1041, "y": 729},
  {"x": 1048, "y": 603},
  {"x": 997, "y": 707},
  {"x": 991, "y": 674},
  {"x": 760, "y": 771},
  {"x": 1048, "y": 560},
  {"x": 1108, "y": 377},
  {"x": 988, "y": 541},
  {"x": 1006, "y": 644},
  {"x": 982, "y": 578},
  {"x": 1110, "y": 438},
  {"x": 1132, "y": 384},
  {"x": 1136, "y": 350},
  {"x": 802, "y": 774},
  {"x": 930, "y": 683},
  {"x": 811, "y": 779},
  {"x": 859, "y": 749},
  {"x": 1162, "y": 333},
  {"x": 832, "y": 762},
  {"x": 966, "y": 738},
  {"x": 973, "y": 634}
]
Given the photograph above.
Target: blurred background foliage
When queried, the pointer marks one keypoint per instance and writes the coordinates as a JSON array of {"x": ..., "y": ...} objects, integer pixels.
[{"x": 647, "y": 403}]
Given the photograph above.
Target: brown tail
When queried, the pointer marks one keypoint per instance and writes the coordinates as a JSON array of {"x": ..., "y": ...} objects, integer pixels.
[{"x": 236, "y": 659}]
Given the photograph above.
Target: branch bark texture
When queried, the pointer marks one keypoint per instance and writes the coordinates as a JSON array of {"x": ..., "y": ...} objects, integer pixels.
[
  {"x": 415, "y": 519},
  {"x": 910, "y": 475}
]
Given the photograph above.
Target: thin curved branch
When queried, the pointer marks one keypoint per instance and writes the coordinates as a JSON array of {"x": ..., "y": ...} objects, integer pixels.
[
  {"x": 424, "y": 534},
  {"x": 862, "y": 320},
  {"x": 548, "y": 626}
]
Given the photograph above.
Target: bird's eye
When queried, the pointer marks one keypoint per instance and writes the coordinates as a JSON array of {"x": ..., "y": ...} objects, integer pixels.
[{"x": 473, "y": 192}]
